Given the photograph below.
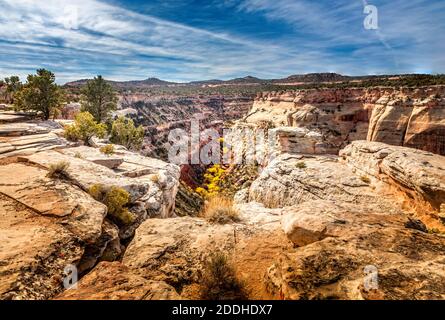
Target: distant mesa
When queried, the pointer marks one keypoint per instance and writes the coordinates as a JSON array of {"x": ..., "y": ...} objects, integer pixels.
[{"x": 310, "y": 78}]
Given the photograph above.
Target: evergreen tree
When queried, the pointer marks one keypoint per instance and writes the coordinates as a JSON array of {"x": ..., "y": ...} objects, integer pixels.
[
  {"x": 40, "y": 94},
  {"x": 99, "y": 99}
]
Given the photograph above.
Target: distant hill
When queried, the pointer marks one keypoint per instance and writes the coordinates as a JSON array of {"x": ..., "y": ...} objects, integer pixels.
[
  {"x": 315, "y": 77},
  {"x": 150, "y": 82},
  {"x": 310, "y": 78},
  {"x": 246, "y": 80}
]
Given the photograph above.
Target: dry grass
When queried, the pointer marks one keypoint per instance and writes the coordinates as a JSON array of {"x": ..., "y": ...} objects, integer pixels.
[
  {"x": 219, "y": 280},
  {"x": 58, "y": 170},
  {"x": 220, "y": 210},
  {"x": 78, "y": 155},
  {"x": 155, "y": 178}
]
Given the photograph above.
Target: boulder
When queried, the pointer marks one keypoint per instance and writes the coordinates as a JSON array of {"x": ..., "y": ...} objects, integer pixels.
[
  {"x": 173, "y": 250},
  {"x": 114, "y": 281},
  {"x": 45, "y": 226},
  {"x": 156, "y": 193},
  {"x": 348, "y": 252},
  {"x": 292, "y": 179},
  {"x": 418, "y": 173}
]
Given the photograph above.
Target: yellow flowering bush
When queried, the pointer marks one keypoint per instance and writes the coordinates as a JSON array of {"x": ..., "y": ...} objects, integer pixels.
[{"x": 212, "y": 181}]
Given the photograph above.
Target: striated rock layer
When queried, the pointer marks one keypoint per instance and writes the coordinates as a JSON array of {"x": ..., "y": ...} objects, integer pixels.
[{"x": 411, "y": 117}]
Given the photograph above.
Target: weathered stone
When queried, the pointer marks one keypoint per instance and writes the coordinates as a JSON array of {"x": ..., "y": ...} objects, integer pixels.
[
  {"x": 45, "y": 224},
  {"x": 293, "y": 179},
  {"x": 95, "y": 156},
  {"x": 114, "y": 281},
  {"x": 158, "y": 200},
  {"x": 173, "y": 250},
  {"x": 53, "y": 198},
  {"x": 420, "y": 174},
  {"x": 344, "y": 244},
  {"x": 405, "y": 117}
]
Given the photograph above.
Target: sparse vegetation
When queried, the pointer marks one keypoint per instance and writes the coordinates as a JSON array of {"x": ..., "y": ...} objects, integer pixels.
[
  {"x": 365, "y": 179},
  {"x": 84, "y": 128},
  {"x": 408, "y": 80},
  {"x": 58, "y": 170},
  {"x": 107, "y": 149},
  {"x": 124, "y": 132},
  {"x": 220, "y": 210},
  {"x": 436, "y": 231},
  {"x": 219, "y": 280},
  {"x": 116, "y": 199},
  {"x": 301, "y": 165},
  {"x": 78, "y": 155}
]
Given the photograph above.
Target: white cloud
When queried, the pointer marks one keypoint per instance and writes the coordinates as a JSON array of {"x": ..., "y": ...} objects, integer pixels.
[{"x": 123, "y": 44}]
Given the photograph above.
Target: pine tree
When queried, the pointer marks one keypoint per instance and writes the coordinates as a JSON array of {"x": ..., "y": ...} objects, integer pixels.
[
  {"x": 40, "y": 94},
  {"x": 99, "y": 99}
]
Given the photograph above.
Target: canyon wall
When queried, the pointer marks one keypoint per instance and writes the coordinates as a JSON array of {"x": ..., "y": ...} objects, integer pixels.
[
  {"x": 411, "y": 117},
  {"x": 159, "y": 114}
]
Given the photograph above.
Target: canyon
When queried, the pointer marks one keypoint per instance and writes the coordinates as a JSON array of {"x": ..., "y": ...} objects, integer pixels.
[{"x": 357, "y": 183}]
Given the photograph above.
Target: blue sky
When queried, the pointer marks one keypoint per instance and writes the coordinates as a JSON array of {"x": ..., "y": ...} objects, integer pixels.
[{"x": 186, "y": 40}]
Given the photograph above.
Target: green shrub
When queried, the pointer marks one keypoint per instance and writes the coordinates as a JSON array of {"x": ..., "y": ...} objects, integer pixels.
[
  {"x": 58, "y": 170},
  {"x": 301, "y": 165},
  {"x": 84, "y": 128},
  {"x": 219, "y": 280},
  {"x": 108, "y": 149},
  {"x": 124, "y": 132},
  {"x": 115, "y": 199}
]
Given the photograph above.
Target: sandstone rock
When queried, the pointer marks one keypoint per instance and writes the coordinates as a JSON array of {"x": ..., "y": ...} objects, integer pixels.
[
  {"x": 106, "y": 248},
  {"x": 157, "y": 198},
  {"x": 80, "y": 214},
  {"x": 301, "y": 140},
  {"x": 242, "y": 196},
  {"x": 95, "y": 156},
  {"x": 45, "y": 224},
  {"x": 173, "y": 250},
  {"x": 292, "y": 179},
  {"x": 420, "y": 174},
  {"x": 114, "y": 281},
  {"x": 21, "y": 129},
  {"x": 6, "y": 117},
  {"x": 405, "y": 117},
  {"x": 25, "y": 145},
  {"x": 339, "y": 248},
  {"x": 316, "y": 220}
]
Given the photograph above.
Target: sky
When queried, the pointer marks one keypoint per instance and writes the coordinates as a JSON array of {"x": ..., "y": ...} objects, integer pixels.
[{"x": 188, "y": 40}]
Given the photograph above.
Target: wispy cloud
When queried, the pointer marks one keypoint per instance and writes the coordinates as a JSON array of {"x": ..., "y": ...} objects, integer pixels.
[{"x": 123, "y": 43}]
